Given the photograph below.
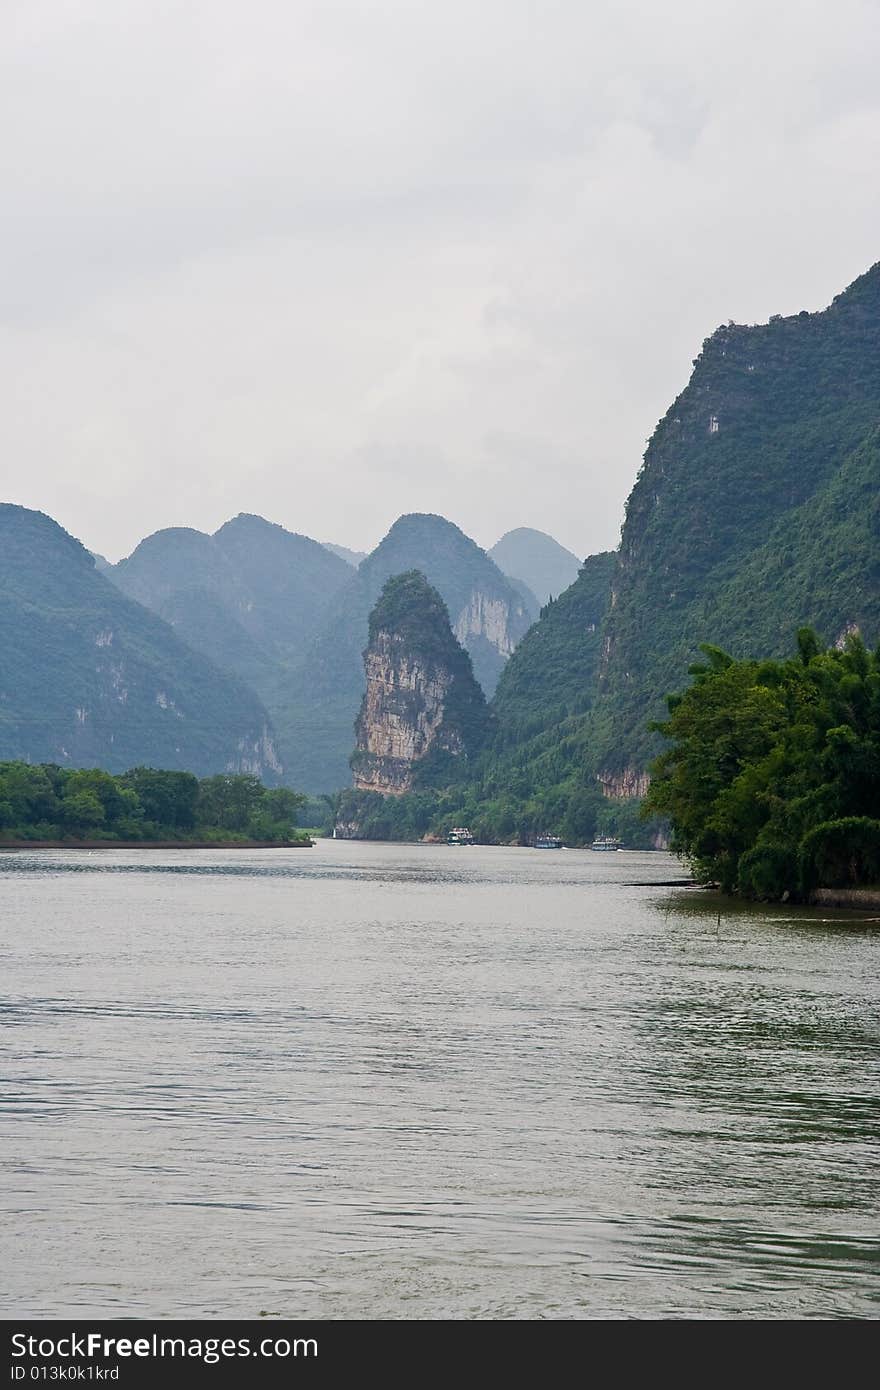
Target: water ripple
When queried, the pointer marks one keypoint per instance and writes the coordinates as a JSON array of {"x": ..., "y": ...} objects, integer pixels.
[{"x": 404, "y": 1081}]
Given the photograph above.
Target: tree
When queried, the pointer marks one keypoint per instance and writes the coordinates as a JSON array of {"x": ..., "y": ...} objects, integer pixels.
[
  {"x": 83, "y": 811},
  {"x": 229, "y": 800},
  {"x": 773, "y": 780},
  {"x": 166, "y": 798}
]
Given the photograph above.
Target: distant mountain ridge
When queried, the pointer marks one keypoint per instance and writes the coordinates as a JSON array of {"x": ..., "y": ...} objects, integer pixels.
[
  {"x": 90, "y": 678},
  {"x": 289, "y": 616},
  {"x": 536, "y": 560},
  {"x": 351, "y": 557},
  {"x": 249, "y": 597},
  {"x": 756, "y": 511}
]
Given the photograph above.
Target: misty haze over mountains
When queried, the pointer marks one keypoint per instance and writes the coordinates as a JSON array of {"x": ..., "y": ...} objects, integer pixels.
[
  {"x": 195, "y": 650},
  {"x": 755, "y": 511}
]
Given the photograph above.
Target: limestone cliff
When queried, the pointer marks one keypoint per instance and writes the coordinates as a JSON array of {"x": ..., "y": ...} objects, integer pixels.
[
  {"x": 323, "y": 692},
  {"x": 624, "y": 785},
  {"x": 422, "y": 709}
]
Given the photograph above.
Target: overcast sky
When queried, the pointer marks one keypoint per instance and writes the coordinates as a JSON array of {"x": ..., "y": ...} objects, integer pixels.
[{"x": 334, "y": 261}]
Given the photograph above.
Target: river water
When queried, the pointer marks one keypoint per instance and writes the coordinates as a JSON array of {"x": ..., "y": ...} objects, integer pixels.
[{"x": 420, "y": 1082}]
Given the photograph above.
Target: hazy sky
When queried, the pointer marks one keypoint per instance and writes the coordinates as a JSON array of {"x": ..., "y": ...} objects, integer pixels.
[{"x": 334, "y": 261}]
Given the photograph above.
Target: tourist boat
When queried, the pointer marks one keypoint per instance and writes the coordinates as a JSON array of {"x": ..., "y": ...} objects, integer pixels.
[
  {"x": 606, "y": 842},
  {"x": 459, "y": 835},
  {"x": 548, "y": 842}
]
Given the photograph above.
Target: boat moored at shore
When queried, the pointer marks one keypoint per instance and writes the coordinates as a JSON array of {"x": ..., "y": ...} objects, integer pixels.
[{"x": 459, "y": 835}]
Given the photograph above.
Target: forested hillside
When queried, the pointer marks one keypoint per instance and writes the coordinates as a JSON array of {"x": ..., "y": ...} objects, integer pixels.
[
  {"x": 755, "y": 512},
  {"x": 533, "y": 771},
  {"x": 90, "y": 678},
  {"x": 249, "y": 597}
]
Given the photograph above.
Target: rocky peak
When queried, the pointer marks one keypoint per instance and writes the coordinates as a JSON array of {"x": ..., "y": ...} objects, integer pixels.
[
  {"x": 489, "y": 613},
  {"x": 422, "y": 707}
]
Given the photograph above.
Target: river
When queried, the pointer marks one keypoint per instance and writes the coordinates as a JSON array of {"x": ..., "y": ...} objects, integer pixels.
[{"x": 392, "y": 1081}]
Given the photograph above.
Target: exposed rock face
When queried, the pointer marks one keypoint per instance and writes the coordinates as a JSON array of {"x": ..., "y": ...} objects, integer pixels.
[
  {"x": 258, "y": 756},
  {"x": 348, "y": 823},
  {"x": 323, "y": 692},
  {"x": 624, "y": 785},
  {"x": 489, "y": 613},
  {"x": 401, "y": 717},
  {"x": 422, "y": 705},
  {"x": 489, "y": 618}
]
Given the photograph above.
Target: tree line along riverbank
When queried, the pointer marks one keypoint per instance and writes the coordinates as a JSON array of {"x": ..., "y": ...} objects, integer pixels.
[{"x": 43, "y": 805}]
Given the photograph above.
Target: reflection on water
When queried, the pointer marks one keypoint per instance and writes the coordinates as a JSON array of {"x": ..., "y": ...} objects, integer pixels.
[{"x": 411, "y": 1081}]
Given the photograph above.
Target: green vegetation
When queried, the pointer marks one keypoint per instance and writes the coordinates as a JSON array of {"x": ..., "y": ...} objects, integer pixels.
[
  {"x": 247, "y": 598},
  {"x": 316, "y": 814},
  {"x": 773, "y": 782},
  {"x": 551, "y": 677},
  {"x": 47, "y": 802},
  {"x": 410, "y": 635},
  {"x": 576, "y": 814},
  {"x": 756, "y": 511},
  {"x": 532, "y": 770},
  {"x": 386, "y": 817},
  {"x": 412, "y": 612},
  {"x": 89, "y": 678},
  {"x": 535, "y": 773},
  {"x": 317, "y": 699}
]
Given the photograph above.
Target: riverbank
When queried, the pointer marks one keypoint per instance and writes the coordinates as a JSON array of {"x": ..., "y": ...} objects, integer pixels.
[
  {"x": 846, "y": 897},
  {"x": 156, "y": 844}
]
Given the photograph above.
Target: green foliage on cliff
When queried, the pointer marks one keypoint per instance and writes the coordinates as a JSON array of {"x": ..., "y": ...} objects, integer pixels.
[
  {"x": 773, "y": 781},
  {"x": 318, "y": 698},
  {"x": 87, "y": 677},
  {"x": 412, "y": 610},
  {"x": 366, "y": 815},
  {"x": 756, "y": 510},
  {"x": 537, "y": 773},
  {"x": 47, "y": 802},
  {"x": 552, "y": 674},
  {"x": 532, "y": 773},
  {"x": 424, "y": 673}
]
